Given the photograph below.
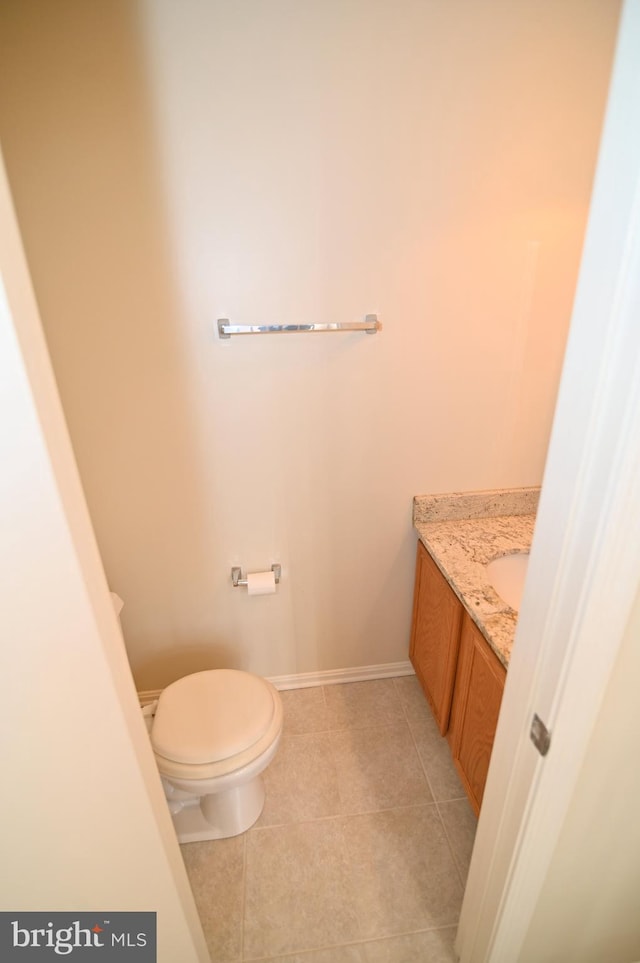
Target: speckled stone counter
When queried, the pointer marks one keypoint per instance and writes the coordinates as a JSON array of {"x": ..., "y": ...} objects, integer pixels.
[{"x": 462, "y": 532}]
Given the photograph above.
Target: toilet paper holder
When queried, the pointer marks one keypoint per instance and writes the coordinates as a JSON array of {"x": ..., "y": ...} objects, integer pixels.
[{"x": 236, "y": 575}]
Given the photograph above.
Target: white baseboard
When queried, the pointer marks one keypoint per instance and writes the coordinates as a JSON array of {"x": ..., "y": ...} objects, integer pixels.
[
  {"x": 149, "y": 695},
  {"x": 362, "y": 673},
  {"x": 304, "y": 680}
]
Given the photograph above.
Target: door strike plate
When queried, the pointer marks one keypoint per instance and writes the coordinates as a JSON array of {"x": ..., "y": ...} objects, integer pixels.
[{"x": 540, "y": 735}]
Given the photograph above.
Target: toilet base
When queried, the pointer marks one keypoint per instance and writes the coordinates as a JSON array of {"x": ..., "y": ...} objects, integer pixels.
[{"x": 218, "y": 815}]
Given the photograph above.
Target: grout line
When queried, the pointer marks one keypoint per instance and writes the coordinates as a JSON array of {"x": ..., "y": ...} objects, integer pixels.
[
  {"x": 352, "y": 883},
  {"x": 438, "y": 803},
  {"x": 244, "y": 894},
  {"x": 398, "y": 724},
  {"x": 332, "y": 752},
  {"x": 301, "y": 953},
  {"x": 424, "y": 768},
  {"x": 461, "y": 876},
  {"x": 363, "y": 812},
  {"x": 415, "y": 746}
]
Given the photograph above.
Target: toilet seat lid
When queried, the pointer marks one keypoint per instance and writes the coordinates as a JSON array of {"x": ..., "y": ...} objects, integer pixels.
[{"x": 210, "y": 716}]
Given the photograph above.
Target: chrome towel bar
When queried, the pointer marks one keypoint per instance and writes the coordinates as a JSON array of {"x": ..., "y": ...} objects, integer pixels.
[
  {"x": 370, "y": 325},
  {"x": 236, "y": 573}
]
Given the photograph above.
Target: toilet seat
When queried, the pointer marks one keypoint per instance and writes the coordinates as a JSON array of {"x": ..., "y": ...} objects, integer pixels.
[{"x": 211, "y": 723}]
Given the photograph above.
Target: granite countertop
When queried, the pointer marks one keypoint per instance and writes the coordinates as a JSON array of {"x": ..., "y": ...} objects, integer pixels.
[{"x": 462, "y": 532}]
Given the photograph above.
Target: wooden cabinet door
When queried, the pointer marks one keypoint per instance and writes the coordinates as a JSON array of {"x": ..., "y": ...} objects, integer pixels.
[
  {"x": 435, "y": 636},
  {"x": 479, "y": 686}
]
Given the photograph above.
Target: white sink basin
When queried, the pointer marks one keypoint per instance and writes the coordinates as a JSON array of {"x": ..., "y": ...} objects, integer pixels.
[{"x": 507, "y": 574}]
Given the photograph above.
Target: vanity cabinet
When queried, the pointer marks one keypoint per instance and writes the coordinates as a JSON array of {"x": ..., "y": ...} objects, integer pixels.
[
  {"x": 461, "y": 675},
  {"x": 435, "y": 636},
  {"x": 479, "y": 684}
]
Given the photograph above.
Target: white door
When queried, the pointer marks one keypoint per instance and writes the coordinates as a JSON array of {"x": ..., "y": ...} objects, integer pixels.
[
  {"x": 84, "y": 820},
  {"x": 585, "y": 561}
]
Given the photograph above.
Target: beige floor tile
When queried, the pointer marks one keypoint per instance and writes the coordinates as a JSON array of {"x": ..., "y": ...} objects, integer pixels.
[
  {"x": 300, "y": 782},
  {"x": 299, "y": 892},
  {"x": 435, "y": 756},
  {"x": 358, "y": 705},
  {"x": 382, "y": 880},
  {"x": 216, "y": 870},
  {"x": 413, "y": 699},
  {"x": 404, "y": 875},
  {"x": 305, "y": 710},
  {"x": 434, "y": 946},
  {"x": 460, "y": 825},
  {"x": 378, "y": 768}
]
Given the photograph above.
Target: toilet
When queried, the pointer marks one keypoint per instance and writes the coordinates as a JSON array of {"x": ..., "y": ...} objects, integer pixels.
[{"x": 213, "y": 734}]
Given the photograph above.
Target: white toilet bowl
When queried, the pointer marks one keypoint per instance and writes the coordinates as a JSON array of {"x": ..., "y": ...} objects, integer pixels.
[{"x": 212, "y": 735}]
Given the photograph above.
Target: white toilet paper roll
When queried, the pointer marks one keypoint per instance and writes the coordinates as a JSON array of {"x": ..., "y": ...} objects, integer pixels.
[{"x": 261, "y": 583}]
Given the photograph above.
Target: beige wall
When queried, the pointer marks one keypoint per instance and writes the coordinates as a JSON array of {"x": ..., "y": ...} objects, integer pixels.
[
  {"x": 85, "y": 825},
  {"x": 430, "y": 162}
]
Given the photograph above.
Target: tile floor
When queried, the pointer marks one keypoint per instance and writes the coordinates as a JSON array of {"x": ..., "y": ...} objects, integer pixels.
[{"x": 363, "y": 846}]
